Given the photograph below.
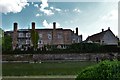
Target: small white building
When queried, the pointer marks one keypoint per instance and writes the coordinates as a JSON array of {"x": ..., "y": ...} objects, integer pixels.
[{"x": 104, "y": 38}]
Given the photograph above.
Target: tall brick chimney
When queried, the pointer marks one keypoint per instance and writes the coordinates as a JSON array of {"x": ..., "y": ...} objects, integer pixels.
[
  {"x": 102, "y": 30},
  {"x": 33, "y": 25},
  {"x": 77, "y": 30},
  {"x": 15, "y": 25},
  {"x": 54, "y": 34},
  {"x": 54, "y": 25}
]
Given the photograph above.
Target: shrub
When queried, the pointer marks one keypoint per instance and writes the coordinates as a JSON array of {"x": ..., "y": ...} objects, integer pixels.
[
  {"x": 105, "y": 70},
  {"x": 84, "y": 47}
]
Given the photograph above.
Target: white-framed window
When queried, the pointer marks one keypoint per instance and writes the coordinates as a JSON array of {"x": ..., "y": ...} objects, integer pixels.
[
  {"x": 59, "y": 36},
  {"x": 21, "y": 35},
  {"x": 28, "y": 41},
  {"x": 73, "y": 41},
  {"x": 40, "y": 42},
  {"x": 49, "y": 36},
  {"x": 28, "y": 34},
  {"x": 40, "y": 35},
  {"x": 8, "y": 34}
]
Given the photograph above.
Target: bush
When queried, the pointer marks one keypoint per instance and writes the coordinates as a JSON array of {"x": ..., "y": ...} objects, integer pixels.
[
  {"x": 84, "y": 47},
  {"x": 105, "y": 70},
  {"x": 109, "y": 48}
]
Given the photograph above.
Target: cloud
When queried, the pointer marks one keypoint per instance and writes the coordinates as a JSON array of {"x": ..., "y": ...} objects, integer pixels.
[
  {"x": 71, "y": 21},
  {"x": 43, "y": 7},
  {"x": 77, "y": 10},
  {"x": 14, "y": 6},
  {"x": 50, "y": 25},
  {"x": 47, "y": 12},
  {"x": 46, "y": 24},
  {"x": 113, "y": 15},
  {"x": 66, "y": 10},
  {"x": 55, "y": 9},
  {"x": 50, "y": 10},
  {"x": 37, "y": 15},
  {"x": 32, "y": 3},
  {"x": 44, "y": 4},
  {"x": 36, "y": 5}
]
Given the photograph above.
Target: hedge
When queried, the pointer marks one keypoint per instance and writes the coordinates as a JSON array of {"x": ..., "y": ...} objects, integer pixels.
[
  {"x": 106, "y": 70},
  {"x": 74, "y": 48}
]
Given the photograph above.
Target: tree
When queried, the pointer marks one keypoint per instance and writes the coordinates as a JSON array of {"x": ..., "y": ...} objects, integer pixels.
[
  {"x": 6, "y": 43},
  {"x": 1, "y": 35},
  {"x": 34, "y": 38}
]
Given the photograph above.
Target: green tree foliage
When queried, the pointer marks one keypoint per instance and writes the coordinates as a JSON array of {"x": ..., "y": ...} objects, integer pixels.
[
  {"x": 1, "y": 35},
  {"x": 106, "y": 70},
  {"x": 34, "y": 38},
  {"x": 6, "y": 43}
]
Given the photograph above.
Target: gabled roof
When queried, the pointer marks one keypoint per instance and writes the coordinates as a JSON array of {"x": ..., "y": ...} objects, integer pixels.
[{"x": 97, "y": 37}]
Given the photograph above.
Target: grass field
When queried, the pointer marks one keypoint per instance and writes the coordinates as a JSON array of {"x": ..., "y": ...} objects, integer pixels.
[
  {"x": 45, "y": 68},
  {"x": 44, "y": 71},
  {"x": 69, "y": 77}
]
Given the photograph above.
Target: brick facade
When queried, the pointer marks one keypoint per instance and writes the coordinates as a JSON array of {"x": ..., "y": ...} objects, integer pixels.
[{"x": 55, "y": 36}]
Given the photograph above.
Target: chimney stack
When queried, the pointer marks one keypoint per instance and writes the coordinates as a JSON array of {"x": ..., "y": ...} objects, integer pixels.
[
  {"x": 73, "y": 31},
  {"x": 54, "y": 25},
  {"x": 33, "y": 25},
  {"x": 102, "y": 30},
  {"x": 15, "y": 26},
  {"x": 77, "y": 30},
  {"x": 108, "y": 28}
]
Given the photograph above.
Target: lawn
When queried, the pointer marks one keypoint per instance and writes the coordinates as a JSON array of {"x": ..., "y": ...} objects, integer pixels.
[
  {"x": 44, "y": 68},
  {"x": 65, "y": 77}
]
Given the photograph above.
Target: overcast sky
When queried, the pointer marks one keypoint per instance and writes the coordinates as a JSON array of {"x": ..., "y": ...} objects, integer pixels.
[{"x": 89, "y": 17}]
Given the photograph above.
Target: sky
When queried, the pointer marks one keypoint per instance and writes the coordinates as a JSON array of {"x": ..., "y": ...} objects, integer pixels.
[{"x": 89, "y": 17}]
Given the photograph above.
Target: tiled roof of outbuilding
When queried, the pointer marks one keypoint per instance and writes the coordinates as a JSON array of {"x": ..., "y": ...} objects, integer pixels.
[{"x": 98, "y": 36}]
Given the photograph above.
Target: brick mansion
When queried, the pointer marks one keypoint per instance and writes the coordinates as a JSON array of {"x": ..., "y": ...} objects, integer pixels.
[{"x": 21, "y": 38}]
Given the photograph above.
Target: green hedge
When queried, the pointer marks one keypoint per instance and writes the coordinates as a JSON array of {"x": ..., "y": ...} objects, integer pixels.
[
  {"x": 93, "y": 48},
  {"x": 106, "y": 70},
  {"x": 84, "y": 47},
  {"x": 74, "y": 48}
]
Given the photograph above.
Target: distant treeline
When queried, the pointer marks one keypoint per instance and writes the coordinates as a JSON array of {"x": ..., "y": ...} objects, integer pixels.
[{"x": 74, "y": 48}]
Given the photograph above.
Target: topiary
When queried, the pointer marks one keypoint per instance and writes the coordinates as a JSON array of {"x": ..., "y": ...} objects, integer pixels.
[{"x": 106, "y": 70}]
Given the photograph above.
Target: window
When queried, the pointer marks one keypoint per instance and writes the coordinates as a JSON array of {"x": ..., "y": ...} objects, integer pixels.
[
  {"x": 8, "y": 34},
  {"x": 40, "y": 35},
  {"x": 73, "y": 41},
  {"x": 27, "y": 41},
  {"x": 49, "y": 36},
  {"x": 40, "y": 42},
  {"x": 20, "y": 34},
  {"x": 27, "y": 34},
  {"x": 59, "y": 36},
  {"x": 102, "y": 42}
]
